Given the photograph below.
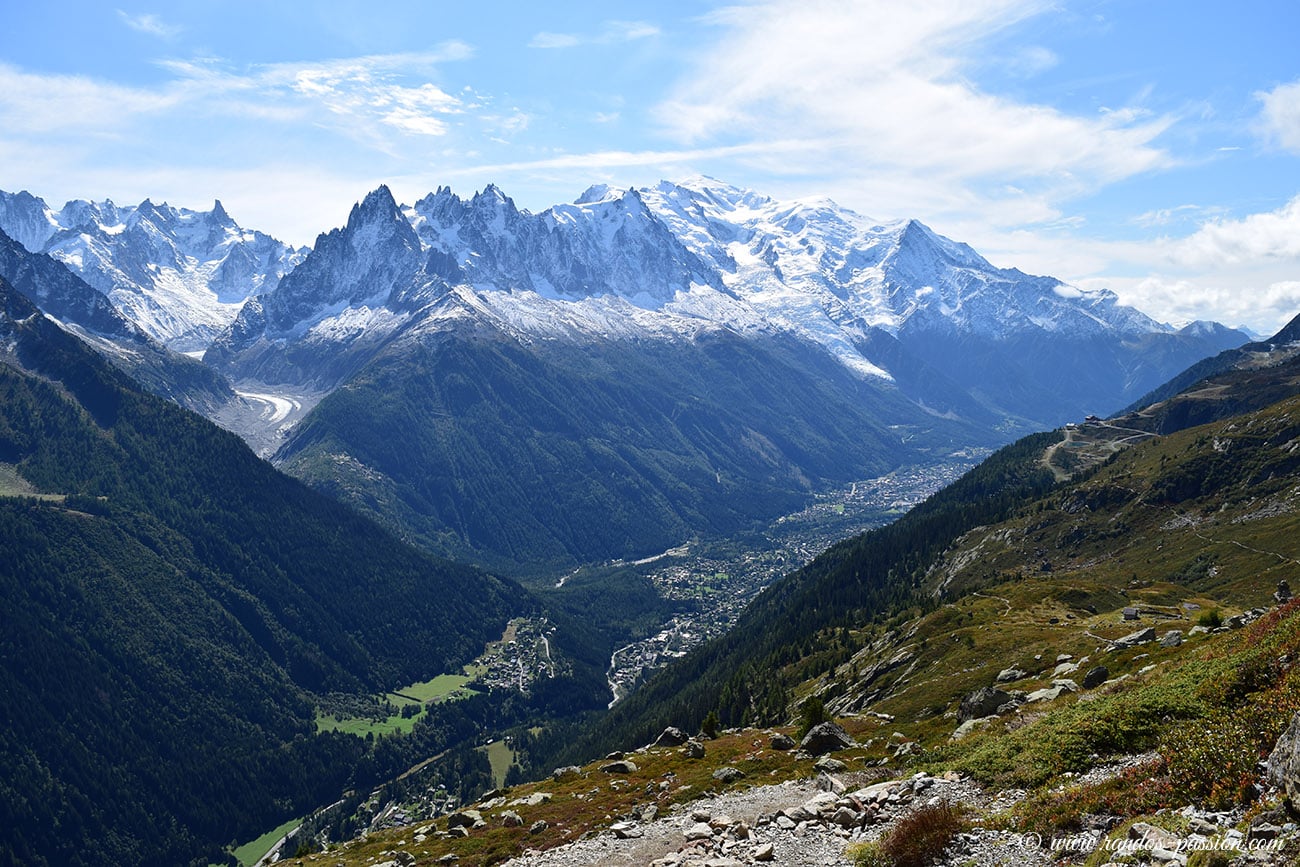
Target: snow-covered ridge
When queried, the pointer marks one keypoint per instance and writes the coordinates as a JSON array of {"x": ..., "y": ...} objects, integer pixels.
[
  {"x": 181, "y": 275},
  {"x": 671, "y": 260}
]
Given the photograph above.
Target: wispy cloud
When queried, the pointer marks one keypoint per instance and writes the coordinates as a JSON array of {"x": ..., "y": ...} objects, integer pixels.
[
  {"x": 150, "y": 24},
  {"x": 890, "y": 94},
  {"x": 37, "y": 104},
  {"x": 610, "y": 32}
]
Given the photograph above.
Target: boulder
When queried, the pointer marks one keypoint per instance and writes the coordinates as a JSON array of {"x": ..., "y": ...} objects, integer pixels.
[
  {"x": 539, "y": 826},
  {"x": 826, "y": 737},
  {"x": 1007, "y": 675},
  {"x": 621, "y": 766},
  {"x": 1172, "y": 638},
  {"x": 1283, "y": 766},
  {"x": 1096, "y": 676},
  {"x": 970, "y": 725},
  {"x": 465, "y": 819},
  {"x": 764, "y": 852},
  {"x": 782, "y": 742},
  {"x": 511, "y": 819},
  {"x": 693, "y": 749},
  {"x": 698, "y": 831},
  {"x": 671, "y": 737},
  {"x": 830, "y": 765},
  {"x": 625, "y": 830},
  {"x": 1133, "y": 639},
  {"x": 981, "y": 703},
  {"x": 728, "y": 775}
]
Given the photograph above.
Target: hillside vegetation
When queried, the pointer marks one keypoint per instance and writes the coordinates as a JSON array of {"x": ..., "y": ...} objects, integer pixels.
[
  {"x": 171, "y": 619},
  {"x": 1128, "y": 612}
]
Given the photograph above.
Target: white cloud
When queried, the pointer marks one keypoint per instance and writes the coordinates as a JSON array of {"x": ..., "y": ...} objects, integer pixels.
[
  {"x": 1280, "y": 118},
  {"x": 1252, "y": 239},
  {"x": 610, "y": 33},
  {"x": 888, "y": 88},
  {"x": 150, "y": 24},
  {"x": 1264, "y": 308}
]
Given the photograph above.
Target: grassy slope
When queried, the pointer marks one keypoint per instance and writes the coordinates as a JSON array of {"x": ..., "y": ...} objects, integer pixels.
[{"x": 1209, "y": 516}]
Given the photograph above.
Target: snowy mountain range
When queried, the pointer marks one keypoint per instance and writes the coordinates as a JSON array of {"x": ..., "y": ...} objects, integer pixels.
[
  {"x": 609, "y": 377},
  {"x": 180, "y": 275},
  {"x": 895, "y": 301}
]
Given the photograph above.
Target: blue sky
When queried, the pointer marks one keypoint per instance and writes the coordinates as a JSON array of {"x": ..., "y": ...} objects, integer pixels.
[{"x": 1148, "y": 146}]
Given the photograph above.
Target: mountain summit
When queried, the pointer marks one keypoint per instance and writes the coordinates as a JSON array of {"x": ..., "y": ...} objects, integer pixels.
[{"x": 179, "y": 275}]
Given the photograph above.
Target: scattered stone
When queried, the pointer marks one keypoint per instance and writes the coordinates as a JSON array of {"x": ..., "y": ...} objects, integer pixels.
[
  {"x": 826, "y": 737},
  {"x": 693, "y": 749},
  {"x": 1065, "y": 668},
  {"x": 1154, "y": 838},
  {"x": 538, "y": 827},
  {"x": 1007, "y": 675},
  {"x": 1172, "y": 638},
  {"x": 1283, "y": 594},
  {"x": 671, "y": 737},
  {"x": 511, "y": 819},
  {"x": 781, "y": 741},
  {"x": 981, "y": 703},
  {"x": 1096, "y": 676},
  {"x": 764, "y": 852},
  {"x": 620, "y": 766},
  {"x": 567, "y": 771}
]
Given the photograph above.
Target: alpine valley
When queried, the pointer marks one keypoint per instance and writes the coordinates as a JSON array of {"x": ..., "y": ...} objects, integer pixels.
[
  {"x": 611, "y": 378},
  {"x": 207, "y": 637}
]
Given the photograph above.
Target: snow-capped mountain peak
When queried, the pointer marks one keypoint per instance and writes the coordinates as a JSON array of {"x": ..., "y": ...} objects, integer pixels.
[{"x": 180, "y": 275}]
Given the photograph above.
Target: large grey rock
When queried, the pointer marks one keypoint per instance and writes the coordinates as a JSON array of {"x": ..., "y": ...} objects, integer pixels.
[
  {"x": 671, "y": 737},
  {"x": 621, "y": 766},
  {"x": 1172, "y": 638},
  {"x": 826, "y": 737},
  {"x": 728, "y": 775},
  {"x": 1095, "y": 677},
  {"x": 981, "y": 703},
  {"x": 1007, "y": 675},
  {"x": 1283, "y": 766},
  {"x": 693, "y": 749},
  {"x": 781, "y": 741},
  {"x": 1133, "y": 639}
]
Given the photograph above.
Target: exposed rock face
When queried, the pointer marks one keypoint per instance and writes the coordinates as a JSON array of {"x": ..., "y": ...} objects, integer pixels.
[
  {"x": 1284, "y": 762},
  {"x": 826, "y": 737}
]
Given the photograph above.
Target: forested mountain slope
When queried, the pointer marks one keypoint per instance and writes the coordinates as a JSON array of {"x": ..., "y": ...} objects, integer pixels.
[{"x": 171, "y": 605}]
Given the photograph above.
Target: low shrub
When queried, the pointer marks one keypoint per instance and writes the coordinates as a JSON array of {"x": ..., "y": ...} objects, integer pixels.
[
  {"x": 1137, "y": 791},
  {"x": 920, "y": 838}
]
